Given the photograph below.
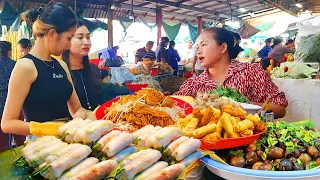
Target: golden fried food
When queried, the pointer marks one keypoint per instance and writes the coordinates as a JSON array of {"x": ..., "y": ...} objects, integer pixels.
[
  {"x": 191, "y": 126},
  {"x": 260, "y": 127},
  {"x": 206, "y": 117},
  {"x": 244, "y": 125},
  {"x": 197, "y": 113},
  {"x": 216, "y": 115},
  {"x": 235, "y": 120},
  {"x": 213, "y": 137},
  {"x": 225, "y": 135},
  {"x": 234, "y": 111},
  {"x": 227, "y": 125},
  {"x": 204, "y": 130},
  {"x": 246, "y": 133},
  {"x": 219, "y": 127},
  {"x": 254, "y": 118}
]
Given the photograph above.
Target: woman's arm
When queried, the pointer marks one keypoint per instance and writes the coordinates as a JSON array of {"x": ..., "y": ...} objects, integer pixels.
[
  {"x": 22, "y": 76},
  {"x": 74, "y": 105}
]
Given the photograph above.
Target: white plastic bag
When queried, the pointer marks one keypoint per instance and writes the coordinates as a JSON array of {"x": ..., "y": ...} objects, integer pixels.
[{"x": 307, "y": 39}]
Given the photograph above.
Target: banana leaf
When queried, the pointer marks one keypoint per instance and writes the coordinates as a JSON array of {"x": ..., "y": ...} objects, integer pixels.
[{"x": 8, "y": 170}]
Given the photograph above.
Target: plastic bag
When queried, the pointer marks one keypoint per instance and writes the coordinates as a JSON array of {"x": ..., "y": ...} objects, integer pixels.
[
  {"x": 308, "y": 41},
  {"x": 121, "y": 74}
]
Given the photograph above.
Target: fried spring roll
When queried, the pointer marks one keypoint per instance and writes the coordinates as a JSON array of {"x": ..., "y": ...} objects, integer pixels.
[
  {"x": 254, "y": 118},
  {"x": 244, "y": 125},
  {"x": 217, "y": 114},
  {"x": 213, "y": 137},
  {"x": 206, "y": 117},
  {"x": 151, "y": 170},
  {"x": 246, "y": 133},
  {"x": 169, "y": 173},
  {"x": 227, "y": 125},
  {"x": 219, "y": 127},
  {"x": 186, "y": 148},
  {"x": 204, "y": 130},
  {"x": 191, "y": 126}
]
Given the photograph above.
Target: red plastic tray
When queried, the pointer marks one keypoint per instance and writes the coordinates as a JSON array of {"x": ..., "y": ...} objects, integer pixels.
[
  {"x": 136, "y": 87},
  {"x": 186, "y": 106},
  {"x": 230, "y": 142}
]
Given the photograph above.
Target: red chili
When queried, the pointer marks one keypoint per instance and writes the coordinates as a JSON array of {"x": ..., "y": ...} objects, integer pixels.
[
  {"x": 278, "y": 64},
  {"x": 286, "y": 69},
  {"x": 285, "y": 58}
]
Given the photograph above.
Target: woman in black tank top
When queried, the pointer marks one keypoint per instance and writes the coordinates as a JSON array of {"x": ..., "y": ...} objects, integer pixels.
[
  {"x": 85, "y": 76},
  {"x": 39, "y": 84}
]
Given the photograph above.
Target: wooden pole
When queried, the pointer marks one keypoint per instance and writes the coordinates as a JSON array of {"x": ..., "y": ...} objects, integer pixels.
[
  {"x": 110, "y": 25},
  {"x": 199, "y": 25},
  {"x": 159, "y": 22}
]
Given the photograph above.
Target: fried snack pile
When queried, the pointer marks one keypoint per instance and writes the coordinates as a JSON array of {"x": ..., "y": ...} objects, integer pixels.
[
  {"x": 213, "y": 124},
  {"x": 147, "y": 106}
]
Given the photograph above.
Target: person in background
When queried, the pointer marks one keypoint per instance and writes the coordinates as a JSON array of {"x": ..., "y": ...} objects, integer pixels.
[
  {"x": 173, "y": 57},
  {"x": 290, "y": 44},
  {"x": 161, "y": 51},
  {"x": 85, "y": 76},
  {"x": 118, "y": 56},
  {"x": 196, "y": 65},
  {"x": 109, "y": 90},
  {"x": 279, "y": 50},
  {"x": 6, "y": 67},
  {"x": 24, "y": 47},
  {"x": 145, "y": 52},
  {"x": 217, "y": 50},
  {"x": 263, "y": 53},
  {"x": 39, "y": 84}
]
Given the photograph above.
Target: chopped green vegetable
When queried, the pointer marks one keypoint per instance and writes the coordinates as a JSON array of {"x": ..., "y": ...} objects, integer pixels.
[{"x": 230, "y": 93}]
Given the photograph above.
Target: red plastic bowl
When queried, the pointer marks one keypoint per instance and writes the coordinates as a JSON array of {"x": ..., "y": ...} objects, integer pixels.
[
  {"x": 186, "y": 106},
  {"x": 230, "y": 142},
  {"x": 136, "y": 87}
]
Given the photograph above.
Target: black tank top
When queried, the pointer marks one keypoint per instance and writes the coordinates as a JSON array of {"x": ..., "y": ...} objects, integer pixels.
[{"x": 49, "y": 93}]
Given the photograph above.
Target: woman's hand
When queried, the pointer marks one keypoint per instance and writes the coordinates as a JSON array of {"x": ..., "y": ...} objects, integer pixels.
[{"x": 278, "y": 110}]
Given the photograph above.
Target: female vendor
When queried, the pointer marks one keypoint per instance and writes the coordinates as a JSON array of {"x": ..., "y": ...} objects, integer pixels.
[
  {"x": 40, "y": 85},
  {"x": 85, "y": 76},
  {"x": 217, "y": 49}
]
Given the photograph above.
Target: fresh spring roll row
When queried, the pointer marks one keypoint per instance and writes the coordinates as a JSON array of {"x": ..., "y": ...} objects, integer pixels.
[
  {"x": 142, "y": 139},
  {"x": 191, "y": 158},
  {"x": 119, "y": 157},
  {"x": 93, "y": 131},
  {"x": 97, "y": 171},
  {"x": 36, "y": 143},
  {"x": 173, "y": 145},
  {"x": 134, "y": 156},
  {"x": 61, "y": 151},
  {"x": 36, "y": 159},
  {"x": 73, "y": 131},
  {"x": 118, "y": 143},
  {"x": 63, "y": 129},
  {"x": 151, "y": 170},
  {"x": 140, "y": 164},
  {"x": 163, "y": 137},
  {"x": 169, "y": 173},
  {"x": 43, "y": 144},
  {"x": 186, "y": 148},
  {"x": 83, "y": 165},
  {"x": 105, "y": 139},
  {"x": 142, "y": 131},
  {"x": 69, "y": 160}
]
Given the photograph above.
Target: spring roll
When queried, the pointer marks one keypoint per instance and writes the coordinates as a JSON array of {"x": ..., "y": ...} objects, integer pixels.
[
  {"x": 61, "y": 151},
  {"x": 36, "y": 159},
  {"x": 246, "y": 133},
  {"x": 105, "y": 139},
  {"x": 63, "y": 129},
  {"x": 134, "y": 157},
  {"x": 141, "y": 141},
  {"x": 97, "y": 171},
  {"x": 143, "y": 130},
  {"x": 123, "y": 154},
  {"x": 191, "y": 158},
  {"x": 217, "y": 114},
  {"x": 83, "y": 165},
  {"x": 151, "y": 170},
  {"x": 172, "y": 146},
  {"x": 81, "y": 133},
  {"x": 204, "y": 130},
  {"x": 191, "y": 126},
  {"x": 169, "y": 173},
  {"x": 244, "y": 125},
  {"x": 72, "y": 132},
  {"x": 186, "y": 148},
  {"x": 234, "y": 111},
  {"x": 163, "y": 139},
  {"x": 254, "y": 118},
  {"x": 67, "y": 161},
  {"x": 219, "y": 127},
  {"x": 225, "y": 135},
  {"x": 118, "y": 143},
  {"x": 98, "y": 130},
  {"x": 140, "y": 164},
  {"x": 213, "y": 137},
  {"x": 235, "y": 121},
  {"x": 227, "y": 126},
  {"x": 37, "y": 149},
  {"x": 37, "y": 143},
  {"x": 197, "y": 113},
  {"x": 206, "y": 117}
]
